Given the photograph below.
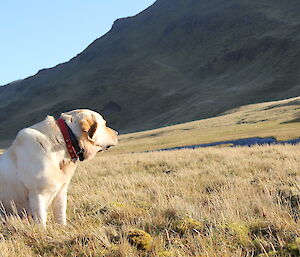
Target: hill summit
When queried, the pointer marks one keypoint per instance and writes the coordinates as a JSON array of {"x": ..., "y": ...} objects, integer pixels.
[{"x": 177, "y": 61}]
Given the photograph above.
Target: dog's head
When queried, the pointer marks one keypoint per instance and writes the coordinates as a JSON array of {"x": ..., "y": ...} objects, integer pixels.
[{"x": 91, "y": 131}]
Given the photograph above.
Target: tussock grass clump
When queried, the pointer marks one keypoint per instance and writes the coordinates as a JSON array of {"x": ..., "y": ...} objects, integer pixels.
[
  {"x": 140, "y": 239},
  {"x": 240, "y": 232},
  {"x": 215, "y": 202},
  {"x": 166, "y": 254},
  {"x": 188, "y": 224}
]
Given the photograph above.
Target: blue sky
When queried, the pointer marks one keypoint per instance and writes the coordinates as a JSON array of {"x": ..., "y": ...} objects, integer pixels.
[{"x": 37, "y": 34}]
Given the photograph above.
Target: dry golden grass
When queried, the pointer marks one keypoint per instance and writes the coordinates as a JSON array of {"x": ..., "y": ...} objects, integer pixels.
[{"x": 204, "y": 202}]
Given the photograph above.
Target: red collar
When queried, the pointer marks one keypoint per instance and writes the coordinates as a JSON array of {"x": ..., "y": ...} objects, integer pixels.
[{"x": 71, "y": 142}]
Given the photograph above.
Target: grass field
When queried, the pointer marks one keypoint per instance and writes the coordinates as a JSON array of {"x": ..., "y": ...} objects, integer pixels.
[{"x": 205, "y": 202}]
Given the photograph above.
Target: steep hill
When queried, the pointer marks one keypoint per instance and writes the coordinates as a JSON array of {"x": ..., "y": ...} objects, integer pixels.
[{"x": 177, "y": 61}]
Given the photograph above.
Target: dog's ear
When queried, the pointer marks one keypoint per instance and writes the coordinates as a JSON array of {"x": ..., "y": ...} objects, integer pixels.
[
  {"x": 66, "y": 117},
  {"x": 89, "y": 126}
]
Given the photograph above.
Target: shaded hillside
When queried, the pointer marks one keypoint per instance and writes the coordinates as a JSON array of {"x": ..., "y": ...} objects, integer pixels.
[{"x": 179, "y": 60}]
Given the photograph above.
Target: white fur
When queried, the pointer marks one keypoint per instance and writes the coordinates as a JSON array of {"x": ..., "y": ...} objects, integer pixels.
[{"x": 36, "y": 170}]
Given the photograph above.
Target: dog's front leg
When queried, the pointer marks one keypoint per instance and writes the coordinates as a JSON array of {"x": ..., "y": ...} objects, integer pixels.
[
  {"x": 38, "y": 207},
  {"x": 59, "y": 205}
]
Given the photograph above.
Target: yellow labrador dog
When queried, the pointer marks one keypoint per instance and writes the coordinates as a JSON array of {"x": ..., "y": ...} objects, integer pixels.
[{"x": 36, "y": 170}]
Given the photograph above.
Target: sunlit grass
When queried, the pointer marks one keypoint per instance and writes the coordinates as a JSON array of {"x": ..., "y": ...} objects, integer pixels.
[{"x": 205, "y": 202}]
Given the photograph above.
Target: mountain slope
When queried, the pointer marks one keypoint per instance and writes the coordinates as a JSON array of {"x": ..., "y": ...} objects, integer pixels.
[
  {"x": 179, "y": 60},
  {"x": 277, "y": 119}
]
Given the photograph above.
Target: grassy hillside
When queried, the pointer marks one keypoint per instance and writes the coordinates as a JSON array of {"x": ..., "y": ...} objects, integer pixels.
[
  {"x": 177, "y": 61},
  {"x": 279, "y": 119},
  {"x": 204, "y": 202}
]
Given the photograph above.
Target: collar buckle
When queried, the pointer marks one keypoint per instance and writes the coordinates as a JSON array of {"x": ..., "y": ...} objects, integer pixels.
[
  {"x": 74, "y": 159},
  {"x": 81, "y": 151}
]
